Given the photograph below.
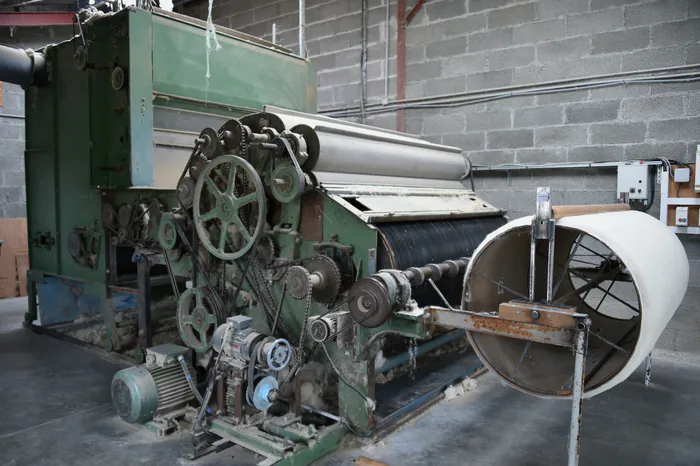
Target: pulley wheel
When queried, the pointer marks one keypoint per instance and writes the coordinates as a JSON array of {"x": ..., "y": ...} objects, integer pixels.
[
  {"x": 197, "y": 318},
  {"x": 167, "y": 232},
  {"x": 370, "y": 303},
  {"x": 287, "y": 184},
  {"x": 210, "y": 148},
  {"x": 218, "y": 207}
]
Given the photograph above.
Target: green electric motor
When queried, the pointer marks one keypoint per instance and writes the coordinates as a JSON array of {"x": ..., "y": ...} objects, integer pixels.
[{"x": 153, "y": 389}]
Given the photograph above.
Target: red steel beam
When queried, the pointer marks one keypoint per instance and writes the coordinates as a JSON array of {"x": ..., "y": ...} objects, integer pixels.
[
  {"x": 414, "y": 11},
  {"x": 401, "y": 61},
  {"x": 35, "y": 19}
]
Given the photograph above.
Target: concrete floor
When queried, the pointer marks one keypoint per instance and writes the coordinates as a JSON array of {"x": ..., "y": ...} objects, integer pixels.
[{"x": 55, "y": 410}]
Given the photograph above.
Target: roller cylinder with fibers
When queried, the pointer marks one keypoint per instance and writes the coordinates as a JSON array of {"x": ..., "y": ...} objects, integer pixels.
[{"x": 628, "y": 246}]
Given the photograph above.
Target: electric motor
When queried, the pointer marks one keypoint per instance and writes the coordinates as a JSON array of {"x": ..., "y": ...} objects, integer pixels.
[{"x": 143, "y": 392}]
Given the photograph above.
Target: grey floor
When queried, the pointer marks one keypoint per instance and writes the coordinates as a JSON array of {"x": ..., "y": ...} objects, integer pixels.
[{"x": 55, "y": 410}]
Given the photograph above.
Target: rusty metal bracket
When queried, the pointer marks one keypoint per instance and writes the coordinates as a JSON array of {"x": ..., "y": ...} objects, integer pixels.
[{"x": 414, "y": 11}]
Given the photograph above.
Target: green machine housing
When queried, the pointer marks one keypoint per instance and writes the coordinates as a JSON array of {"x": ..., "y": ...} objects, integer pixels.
[{"x": 111, "y": 127}]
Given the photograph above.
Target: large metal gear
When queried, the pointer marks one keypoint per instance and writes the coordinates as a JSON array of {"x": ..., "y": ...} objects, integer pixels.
[{"x": 329, "y": 272}]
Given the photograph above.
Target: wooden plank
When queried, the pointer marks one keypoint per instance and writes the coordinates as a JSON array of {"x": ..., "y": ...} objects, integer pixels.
[
  {"x": 574, "y": 210},
  {"x": 14, "y": 232},
  {"x": 550, "y": 316},
  {"x": 22, "y": 261},
  {"x": 364, "y": 461},
  {"x": 683, "y": 190}
]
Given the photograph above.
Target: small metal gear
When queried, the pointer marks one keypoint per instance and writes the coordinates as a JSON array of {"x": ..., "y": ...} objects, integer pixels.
[
  {"x": 266, "y": 250},
  {"x": 210, "y": 147},
  {"x": 185, "y": 192},
  {"x": 298, "y": 280},
  {"x": 329, "y": 273},
  {"x": 197, "y": 166}
]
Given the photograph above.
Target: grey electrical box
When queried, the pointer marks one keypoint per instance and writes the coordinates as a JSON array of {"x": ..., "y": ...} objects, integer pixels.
[{"x": 633, "y": 180}]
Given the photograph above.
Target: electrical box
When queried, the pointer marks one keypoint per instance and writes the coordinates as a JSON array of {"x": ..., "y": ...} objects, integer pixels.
[
  {"x": 633, "y": 181},
  {"x": 681, "y": 216},
  {"x": 681, "y": 175}
]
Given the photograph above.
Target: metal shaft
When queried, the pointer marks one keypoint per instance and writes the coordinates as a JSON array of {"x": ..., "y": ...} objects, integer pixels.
[
  {"x": 533, "y": 253},
  {"x": 647, "y": 371},
  {"x": 581, "y": 348},
  {"x": 550, "y": 269},
  {"x": 22, "y": 67}
]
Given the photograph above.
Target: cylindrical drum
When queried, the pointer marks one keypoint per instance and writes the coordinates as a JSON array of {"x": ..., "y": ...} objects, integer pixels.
[{"x": 625, "y": 270}]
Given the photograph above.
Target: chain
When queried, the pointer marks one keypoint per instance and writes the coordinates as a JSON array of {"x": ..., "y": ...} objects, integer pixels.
[
  {"x": 305, "y": 323},
  {"x": 279, "y": 307}
]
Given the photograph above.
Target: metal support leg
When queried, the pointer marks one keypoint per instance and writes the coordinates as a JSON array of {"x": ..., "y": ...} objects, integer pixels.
[
  {"x": 580, "y": 348},
  {"x": 533, "y": 254},
  {"x": 647, "y": 371},
  {"x": 32, "y": 299},
  {"x": 143, "y": 271},
  {"x": 550, "y": 267}
]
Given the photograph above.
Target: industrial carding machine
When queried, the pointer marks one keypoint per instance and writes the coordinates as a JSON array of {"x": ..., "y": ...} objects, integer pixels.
[{"x": 110, "y": 120}]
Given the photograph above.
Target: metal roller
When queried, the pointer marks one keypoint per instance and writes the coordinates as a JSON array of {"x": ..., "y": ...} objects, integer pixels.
[
  {"x": 353, "y": 149},
  {"x": 625, "y": 270}
]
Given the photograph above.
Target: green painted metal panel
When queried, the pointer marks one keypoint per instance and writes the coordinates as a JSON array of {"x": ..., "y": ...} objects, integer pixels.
[
  {"x": 141, "y": 96},
  {"x": 242, "y": 74}
]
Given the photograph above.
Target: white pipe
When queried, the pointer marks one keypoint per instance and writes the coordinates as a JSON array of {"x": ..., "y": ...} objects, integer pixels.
[
  {"x": 274, "y": 33},
  {"x": 302, "y": 28},
  {"x": 653, "y": 257}
]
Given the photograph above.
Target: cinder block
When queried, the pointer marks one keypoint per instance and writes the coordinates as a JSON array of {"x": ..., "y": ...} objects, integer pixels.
[
  {"x": 589, "y": 112},
  {"x": 598, "y": 178},
  {"x": 423, "y": 71},
  {"x": 693, "y": 54},
  {"x": 670, "y": 150},
  {"x": 510, "y": 139},
  {"x": 495, "y": 119},
  {"x": 592, "y": 66},
  {"x": 445, "y": 86},
  {"x": 540, "y": 155},
  {"x": 585, "y": 197},
  {"x": 598, "y": 21},
  {"x": 496, "y": 39},
  {"x": 414, "y": 90},
  {"x": 603, "y": 4},
  {"x": 15, "y": 210},
  {"x": 566, "y": 49},
  {"x": 446, "y": 48},
  {"x": 479, "y": 5},
  {"x": 13, "y": 179},
  {"x": 511, "y": 102},
  {"x": 12, "y": 103},
  {"x": 596, "y": 153},
  {"x": 327, "y": 62},
  {"x": 618, "y": 133},
  {"x": 693, "y": 104},
  {"x": 9, "y": 129},
  {"x": 489, "y": 80},
  {"x": 676, "y": 33},
  {"x": 347, "y": 94},
  {"x": 466, "y": 141},
  {"x": 463, "y": 25},
  {"x": 513, "y": 15},
  {"x": 325, "y": 95},
  {"x": 375, "y": 89},
  {"x": 655, "y": 12},
  {"x": 329, "y": 10},
  {"x": 443, "y": 124},
  {"x": 497, "y": 198},
  {"x": 511, "y": 57},
  {"x": 675, "y": 130},
  {"x": 561, "y": 136},
  {"x": 573, "y": 96},
  {"x": 539, "y": 31},
  {"x": 554, "y": 8},
  {"x": 415, "y": 54},
  {"x": 445, "y": 9},
  {"x": 434, "y": 138},
  {"x": 382, "y": 120},
  {"x": 627, "y": 91},
  {"x": 620, "y": 41},
  {"x": 491, "y": 157},
  {"x": 12, "y": 194},
  {"x": 659, "y": 107},
  {"x": 339, "y": 42},
  {"x": 339, "y": 77},
  {"x": 465, "y": 64},
  {"x": 538, "y": 116}
]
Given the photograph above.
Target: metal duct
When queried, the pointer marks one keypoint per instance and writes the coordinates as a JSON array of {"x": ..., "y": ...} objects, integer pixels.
[{"x": 618, "y": 246}]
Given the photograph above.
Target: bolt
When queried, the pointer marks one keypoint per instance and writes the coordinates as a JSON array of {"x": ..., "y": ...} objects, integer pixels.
[
  {"x": 535, "y": 314},
  {"x": 272, "y": 396}
]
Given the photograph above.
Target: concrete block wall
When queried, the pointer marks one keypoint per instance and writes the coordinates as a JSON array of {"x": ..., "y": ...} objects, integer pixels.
[
  {"x": 479, "y": 45},
  {"x": 13, "y": 202}
]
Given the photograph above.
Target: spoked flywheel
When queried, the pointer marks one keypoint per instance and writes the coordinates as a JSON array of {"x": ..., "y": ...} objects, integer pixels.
[
  {"x": 229, "y": 207},
  {"x": 198, "y": 316}
]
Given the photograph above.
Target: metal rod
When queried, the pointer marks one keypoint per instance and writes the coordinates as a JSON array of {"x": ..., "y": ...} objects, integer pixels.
[
  {"x": 274, "y": 33},
  {"x": 647, "y": 371},
  {"x": 620, "y": 300},
  {"x": 605, "y": 295},
  {"x": 533, "y": 252},
  {"x": 568, "y": 263},
  {"x": 502, "y": 285},
  {"x": 437, "y": 290},
  {"x": 520, "y": 361},
  {"x": 302, "y": 28},
  {"x": 608, "y": 342},
  {"x": 550, "y": 268},
  {"x": 190, "y": 382},
  {"x": 387, "y": 28},
  {"x": 581, "y": 348}
]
